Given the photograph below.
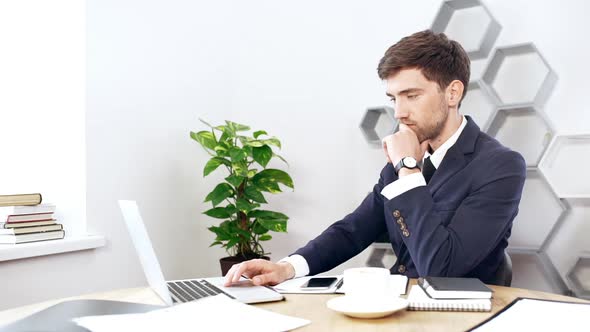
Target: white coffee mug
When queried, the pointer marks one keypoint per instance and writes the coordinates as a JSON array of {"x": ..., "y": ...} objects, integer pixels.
[{"x": 367, "y": 282}]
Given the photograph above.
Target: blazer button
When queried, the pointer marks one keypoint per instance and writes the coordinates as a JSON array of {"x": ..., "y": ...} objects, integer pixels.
[
  {"x": 401, "y": 269},
  {"x": 400, "y": 220},
  {"x": 403, "y": 227},
  {"x": 406, "y": 233},
  {"x": 396, "y": 214}
]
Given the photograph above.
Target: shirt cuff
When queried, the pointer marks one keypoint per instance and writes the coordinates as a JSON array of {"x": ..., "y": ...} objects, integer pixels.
[
  {"x": 299, "y": 265},
  {"x": 403, "y": 184}
]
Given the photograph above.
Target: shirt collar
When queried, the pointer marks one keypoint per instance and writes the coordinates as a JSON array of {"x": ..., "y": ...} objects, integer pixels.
[{"x": 438, "y": 155}]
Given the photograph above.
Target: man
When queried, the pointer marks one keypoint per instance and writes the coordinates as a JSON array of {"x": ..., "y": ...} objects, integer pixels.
[{"x": 454, "y": 217}]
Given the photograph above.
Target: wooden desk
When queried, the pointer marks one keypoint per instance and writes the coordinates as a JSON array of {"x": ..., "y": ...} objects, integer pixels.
[{"x": 313, "y": 307}]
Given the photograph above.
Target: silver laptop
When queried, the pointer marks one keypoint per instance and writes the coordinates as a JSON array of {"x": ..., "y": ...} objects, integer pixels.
[{"x": 178, "y": 291}]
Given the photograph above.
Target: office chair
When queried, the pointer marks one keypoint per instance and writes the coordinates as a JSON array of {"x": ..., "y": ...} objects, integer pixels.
[{"x": 503, "y": 276}]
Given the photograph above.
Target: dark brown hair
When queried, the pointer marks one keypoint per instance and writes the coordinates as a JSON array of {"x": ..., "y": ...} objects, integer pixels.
[{"x": 440, "y": 59}]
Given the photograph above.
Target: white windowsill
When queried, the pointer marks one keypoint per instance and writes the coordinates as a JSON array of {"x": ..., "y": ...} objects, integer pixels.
[{"x": 25, "y": 250}]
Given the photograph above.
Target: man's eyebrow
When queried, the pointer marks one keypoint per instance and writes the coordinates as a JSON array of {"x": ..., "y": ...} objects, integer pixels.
[{"x": 405, "y": 92}]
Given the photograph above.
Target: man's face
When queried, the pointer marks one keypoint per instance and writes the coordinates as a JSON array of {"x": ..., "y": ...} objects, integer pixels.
[{"x": 418, "y": 103}]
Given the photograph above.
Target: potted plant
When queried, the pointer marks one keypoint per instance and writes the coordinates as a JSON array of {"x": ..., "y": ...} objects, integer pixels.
[{"x": 239, "y": 198}]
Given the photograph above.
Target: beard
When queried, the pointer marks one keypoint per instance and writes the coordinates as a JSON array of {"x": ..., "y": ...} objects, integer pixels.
[{"x": 433, "y": 128}]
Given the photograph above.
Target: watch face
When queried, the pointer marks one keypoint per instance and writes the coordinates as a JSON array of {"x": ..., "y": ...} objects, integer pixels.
[{"x": 410, "y": 162}]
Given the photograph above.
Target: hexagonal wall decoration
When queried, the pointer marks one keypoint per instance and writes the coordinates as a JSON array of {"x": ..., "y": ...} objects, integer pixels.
[
  {"x": 519, "y": 75},
  {"x": 579, "y": 276},
  {"x": 470, "y": 23},
  {"x": 564, "y": 165},
  {"x": 479, "y": 104},
  {"x": 511, "y": 126},
  {"x": 377, "y": 123},
  {"x": 539, "y": 212},
  {"x": 533, "y": 270}
]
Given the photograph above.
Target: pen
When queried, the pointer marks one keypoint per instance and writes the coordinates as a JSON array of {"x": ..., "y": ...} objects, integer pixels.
[{"x": 339, "y": 284}]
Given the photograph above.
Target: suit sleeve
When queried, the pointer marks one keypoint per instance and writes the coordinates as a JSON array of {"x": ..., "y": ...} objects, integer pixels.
[
  {"x": 451, "y": 242},
  {"x": 348, "y": 237}
]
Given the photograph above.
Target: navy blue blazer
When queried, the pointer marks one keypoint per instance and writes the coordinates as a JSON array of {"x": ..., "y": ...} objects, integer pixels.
[{"x": 458, "y": 225}]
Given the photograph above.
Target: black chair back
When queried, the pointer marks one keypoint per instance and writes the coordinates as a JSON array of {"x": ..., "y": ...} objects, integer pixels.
[{"x": 503, "y": 276}]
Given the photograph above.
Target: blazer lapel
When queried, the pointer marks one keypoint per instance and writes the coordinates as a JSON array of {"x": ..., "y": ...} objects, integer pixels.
[{"x": 454, "y": 159}]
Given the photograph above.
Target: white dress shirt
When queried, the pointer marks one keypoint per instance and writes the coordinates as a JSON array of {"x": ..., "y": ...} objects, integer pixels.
[{"x": 392, "y": 190}]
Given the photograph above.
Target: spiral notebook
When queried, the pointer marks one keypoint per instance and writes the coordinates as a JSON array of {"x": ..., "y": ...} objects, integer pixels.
[{"x": 419, "y": 300}]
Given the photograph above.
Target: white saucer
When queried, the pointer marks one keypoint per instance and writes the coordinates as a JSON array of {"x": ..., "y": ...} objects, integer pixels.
[{"x": 366, "y": 309}]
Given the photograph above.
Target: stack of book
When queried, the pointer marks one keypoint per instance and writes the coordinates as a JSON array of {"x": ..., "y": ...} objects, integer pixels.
[
  {"x": 24, "y": 219},
  {"x": 450, "y": 294}
]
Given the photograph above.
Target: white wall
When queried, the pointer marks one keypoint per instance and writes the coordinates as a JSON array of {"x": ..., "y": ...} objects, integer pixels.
[
  {"x": 42, "y": 104},
  {"x": 304, "y": 71},
  {"x": 42, "y": 135}
]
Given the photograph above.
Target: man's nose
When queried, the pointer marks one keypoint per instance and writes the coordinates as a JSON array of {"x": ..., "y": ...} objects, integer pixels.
[{"x": 400, "y": 112}]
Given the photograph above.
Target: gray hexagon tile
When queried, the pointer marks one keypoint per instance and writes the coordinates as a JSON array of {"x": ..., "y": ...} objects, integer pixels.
[
  {"x": 479, "y": 104},
  {"x": 531, "y": 270},
  {"x": 522, "y": 129},
  {"x": 470, "y": 23},
  {"x": 579, "y": 276},
  {"x": 539, "y": 211},
  {"x": 520, "y": 75},
  {"x": 570, "y": 238},
  {"x": 377, "y": 123},
  {"x": 564, "y": 165}
]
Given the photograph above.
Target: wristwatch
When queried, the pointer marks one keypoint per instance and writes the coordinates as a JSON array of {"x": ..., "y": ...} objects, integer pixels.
[{"x": 407, "y": 162}]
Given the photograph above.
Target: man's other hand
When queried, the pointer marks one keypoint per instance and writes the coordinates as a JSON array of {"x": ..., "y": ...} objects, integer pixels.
[{"x": 261, "y": 272}]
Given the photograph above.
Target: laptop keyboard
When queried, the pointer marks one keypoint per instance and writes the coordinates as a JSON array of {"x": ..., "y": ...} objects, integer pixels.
[{"x": 190, "y": 290}]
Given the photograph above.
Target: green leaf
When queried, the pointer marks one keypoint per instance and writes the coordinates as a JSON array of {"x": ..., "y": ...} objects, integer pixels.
[
  {"x": 272, "y": 141},
  {"x": 246, "y": 141},
  {"x": 221, "y": 192},
  {"x": 252, "y": 172},
  {"x": 271, "y": 187},
  {"x": 254, "y": 194},
  {"x": 218, "y": 212},
  {"x": 231, "y": 243},
  {"x": 222, "y": 234},
  {"x": 245, "y": 206},
  {"x": 216, "y": 243},
  {"x": 205, "y": 138},
  {"x": 274, "y": 224},
  {"x": 265, "y": 214},
  {"x": 234, "y": 229},
  {"x": 262, "y": 155},
  {"x": 224, "y": 136},
  {"x": 265, "y": 237},
  {"x": 240, "y": 168},
  {"x": 268, "y": 179},
  {"x": 236, "y": 154},
  {"x": 274, "y": 221},
  {"x": 248, "y": 150},
  {"x": 231, "y": 209},
  {"x": 213, "y": 163},
  {"x": 222, "y": 149},
  {"x": 236, "y": 126},
  {"x": 259, "y": 229},
  {"x": 235, "y": 180},
  {"x": 259, "y": 132}
]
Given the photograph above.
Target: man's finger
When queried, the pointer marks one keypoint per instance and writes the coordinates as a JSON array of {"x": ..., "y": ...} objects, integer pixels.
[
  {"x": 403, "y": 127},
  {"x": 242, "y": 267},
  {"x": 265, "y": 279},
  {"x": 229, "y": 275}
]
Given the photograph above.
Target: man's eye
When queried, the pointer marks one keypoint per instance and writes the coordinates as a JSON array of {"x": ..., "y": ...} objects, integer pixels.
[
  {"x": 412, "y": 97},
  {"x": 392, "y": 100}
]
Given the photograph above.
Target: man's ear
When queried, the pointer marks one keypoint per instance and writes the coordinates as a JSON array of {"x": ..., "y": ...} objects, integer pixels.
[{"x": 454, "y": 93}]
